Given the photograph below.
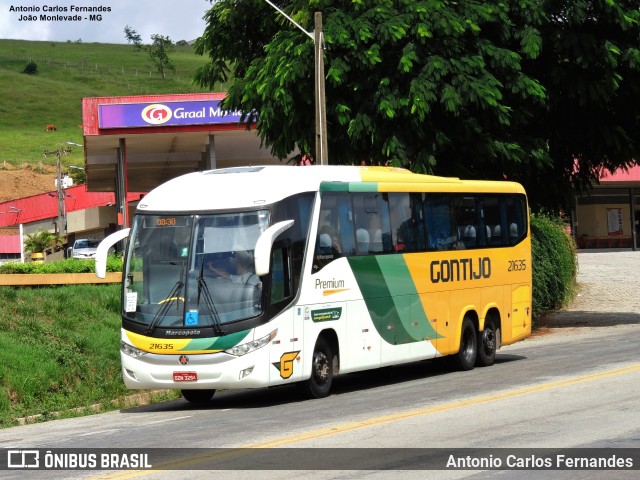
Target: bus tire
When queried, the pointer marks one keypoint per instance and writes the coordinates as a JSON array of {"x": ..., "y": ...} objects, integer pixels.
[
  {"x": 465, "y": 359},
  {"x": 197, "y": 396},
  {"x": 487, "y": 345},
  {"x": 319, "y": 384}
]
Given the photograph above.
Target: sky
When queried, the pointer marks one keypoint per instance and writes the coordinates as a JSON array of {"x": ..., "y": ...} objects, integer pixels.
[{"x": 177, "y": 19}]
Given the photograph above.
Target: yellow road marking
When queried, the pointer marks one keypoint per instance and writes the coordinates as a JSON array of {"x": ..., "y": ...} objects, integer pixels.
[{"x": 370, "y": 422}]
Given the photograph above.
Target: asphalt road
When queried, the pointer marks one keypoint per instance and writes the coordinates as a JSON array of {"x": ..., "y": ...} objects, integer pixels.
[
  {"x": 573, "y": 388},
  {"x": 577, "y": 386}
]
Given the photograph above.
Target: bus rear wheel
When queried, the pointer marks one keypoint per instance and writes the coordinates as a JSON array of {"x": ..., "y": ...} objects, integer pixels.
[
  {"x": 465, "y": 359},
  {"x": 487, "y": 345},
  {"x": 319, "y": 384},
  {"x": 197, "y": 396}
]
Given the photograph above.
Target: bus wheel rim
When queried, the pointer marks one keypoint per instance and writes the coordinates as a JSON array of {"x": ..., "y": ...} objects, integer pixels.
[
  {"x": 489, "y": 341},
  {"x": 320, "y": 367}
]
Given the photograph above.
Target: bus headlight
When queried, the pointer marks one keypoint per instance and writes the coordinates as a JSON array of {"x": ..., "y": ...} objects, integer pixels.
[
  {"x": 251, "y": 346},
  {"x": 130, "y": 350}
]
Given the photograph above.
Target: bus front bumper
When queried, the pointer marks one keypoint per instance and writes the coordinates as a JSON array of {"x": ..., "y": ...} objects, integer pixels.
[{"x": 200, "y": 372}]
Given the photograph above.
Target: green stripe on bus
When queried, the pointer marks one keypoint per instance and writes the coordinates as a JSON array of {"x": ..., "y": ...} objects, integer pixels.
[
  {"x": 334, "y": 187},
  {"x": 363, "y": 187},
  {"x": 394, "y": 304},
  {"x": 217, "y": 343},
  {"x": 349, "y": 186}
]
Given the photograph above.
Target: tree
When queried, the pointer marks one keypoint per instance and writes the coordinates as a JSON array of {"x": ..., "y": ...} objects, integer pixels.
[
  {"x": 41, "y": 240},
  {"x": 159, "y": 54},
  {"x": 132, "y": 36},
  {"x": 540, "y": 91},
  {"x": 589, "y": 64}
]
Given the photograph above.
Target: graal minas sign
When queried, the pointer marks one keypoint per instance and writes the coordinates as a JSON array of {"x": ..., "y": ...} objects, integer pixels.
[{"x": 133, "y": 115}]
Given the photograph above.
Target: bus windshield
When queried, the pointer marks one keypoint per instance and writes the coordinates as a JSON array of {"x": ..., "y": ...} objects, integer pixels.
[{"x": 192, "y": 271}]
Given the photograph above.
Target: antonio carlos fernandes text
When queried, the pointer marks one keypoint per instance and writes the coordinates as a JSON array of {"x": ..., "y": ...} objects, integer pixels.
[{"x": 557, "y": 462}]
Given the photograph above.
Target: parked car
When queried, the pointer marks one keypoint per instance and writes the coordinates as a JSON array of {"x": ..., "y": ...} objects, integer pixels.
[{"x": 83, "y": 248}]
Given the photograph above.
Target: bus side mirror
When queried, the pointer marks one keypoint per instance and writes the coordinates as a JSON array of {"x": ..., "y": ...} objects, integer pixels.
[
  {"x": 103, "y": 250},
  {"x": 262, "y": 253}
]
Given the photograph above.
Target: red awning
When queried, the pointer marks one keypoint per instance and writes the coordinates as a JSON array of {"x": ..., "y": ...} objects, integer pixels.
[
  {"x": 630, "y": 175},
  {"x": 10, "y": 244}
]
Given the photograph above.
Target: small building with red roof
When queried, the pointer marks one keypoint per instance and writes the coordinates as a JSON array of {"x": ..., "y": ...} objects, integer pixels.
[{"x": 609, "y": 215}]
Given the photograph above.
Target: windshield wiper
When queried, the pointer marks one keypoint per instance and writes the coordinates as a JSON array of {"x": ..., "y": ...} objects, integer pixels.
[
  {"x": 203, "y": 289},
  {"x": 162, "y": 312}
]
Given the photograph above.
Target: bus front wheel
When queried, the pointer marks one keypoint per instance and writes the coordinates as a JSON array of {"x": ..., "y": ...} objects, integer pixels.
[
  {"x": 197, "y": 396},
  {"x": 319, "y": 384},
  {"x": 465, "y": 359}
]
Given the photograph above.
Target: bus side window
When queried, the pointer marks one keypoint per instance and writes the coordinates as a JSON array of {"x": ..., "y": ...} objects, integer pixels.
[
  {"x": 336, "y": 236},
  {"x": 439, "y": 211},
  {"x": 516, "y": 214},
  {"x": 361, "y": 222},
  {"x": 406, "y": 222},
  {"x": 380, "y": 226},
  {"x": 467, "y": 222},
  {"x": 371, "y": 221},
  {"x": 280, "y": 275},
  {"x": 492, "y": 216},
  {"x": 326, "y": 250},
  {"x": 345, "y": 231}
]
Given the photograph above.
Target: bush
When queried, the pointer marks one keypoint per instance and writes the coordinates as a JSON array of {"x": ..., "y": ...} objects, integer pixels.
[
  {"x": 31, "y": 68},
  {"x": 555, "y": 265},
  {"x": 70, "y": 265}
]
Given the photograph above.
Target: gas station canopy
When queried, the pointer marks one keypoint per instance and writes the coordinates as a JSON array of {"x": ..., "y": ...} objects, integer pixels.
[{"x": 136, "y": 143}]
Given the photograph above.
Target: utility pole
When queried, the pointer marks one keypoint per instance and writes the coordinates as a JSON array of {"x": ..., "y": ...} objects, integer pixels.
[
  {"x": 321, "y": 104},
  {"x": 322, "y": 152},
  {"x": 61, "y": 226}
]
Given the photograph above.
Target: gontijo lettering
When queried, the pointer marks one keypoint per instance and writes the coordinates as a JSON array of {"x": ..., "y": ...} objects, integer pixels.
[{"x": 460, "y": 270}]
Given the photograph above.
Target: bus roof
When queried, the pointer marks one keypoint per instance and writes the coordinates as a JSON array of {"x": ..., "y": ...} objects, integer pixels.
[{"x": 248, "y": 187}]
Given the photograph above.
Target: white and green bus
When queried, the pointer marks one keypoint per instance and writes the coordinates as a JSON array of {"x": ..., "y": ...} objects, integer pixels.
[{"x": 261, "y": 276}]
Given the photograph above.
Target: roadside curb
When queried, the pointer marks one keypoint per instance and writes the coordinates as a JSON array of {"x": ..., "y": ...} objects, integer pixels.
[{"x": 136, "y": 400}]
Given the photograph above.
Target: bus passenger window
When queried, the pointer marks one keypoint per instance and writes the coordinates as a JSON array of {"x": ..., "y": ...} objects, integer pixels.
[
  {"x": 516, "y": 215},
  {"x": 371, "y": 220},
  {"x": 280, "y": 284},
  {"x": 406, "y": 222},
  {"x": 327, "y": 248},
  {"x": 492, "y": 206},
  {"x": 440, "y": 220},
  {"x": 467, "y": 222}
]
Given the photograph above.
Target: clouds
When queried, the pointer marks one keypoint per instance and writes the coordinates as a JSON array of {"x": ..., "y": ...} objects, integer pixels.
[{"x": 101, "y": 21}]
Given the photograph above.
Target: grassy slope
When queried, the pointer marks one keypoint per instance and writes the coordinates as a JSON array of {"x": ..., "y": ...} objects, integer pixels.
[
  {"x": 67, "y": 72},
  {"x": 59, "y": 350}
]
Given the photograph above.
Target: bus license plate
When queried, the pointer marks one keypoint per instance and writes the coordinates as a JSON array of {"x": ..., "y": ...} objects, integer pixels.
[{"x": 185, "y": 376}]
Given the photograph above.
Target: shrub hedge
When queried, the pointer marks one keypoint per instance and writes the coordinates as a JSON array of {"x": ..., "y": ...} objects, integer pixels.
[
  {"x": 555, "y": 265},
  {"x": 69, "y": 265}
]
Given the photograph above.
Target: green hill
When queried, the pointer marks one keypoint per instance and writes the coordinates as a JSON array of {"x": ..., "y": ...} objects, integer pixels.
[{"x": 67, "y": 72}]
